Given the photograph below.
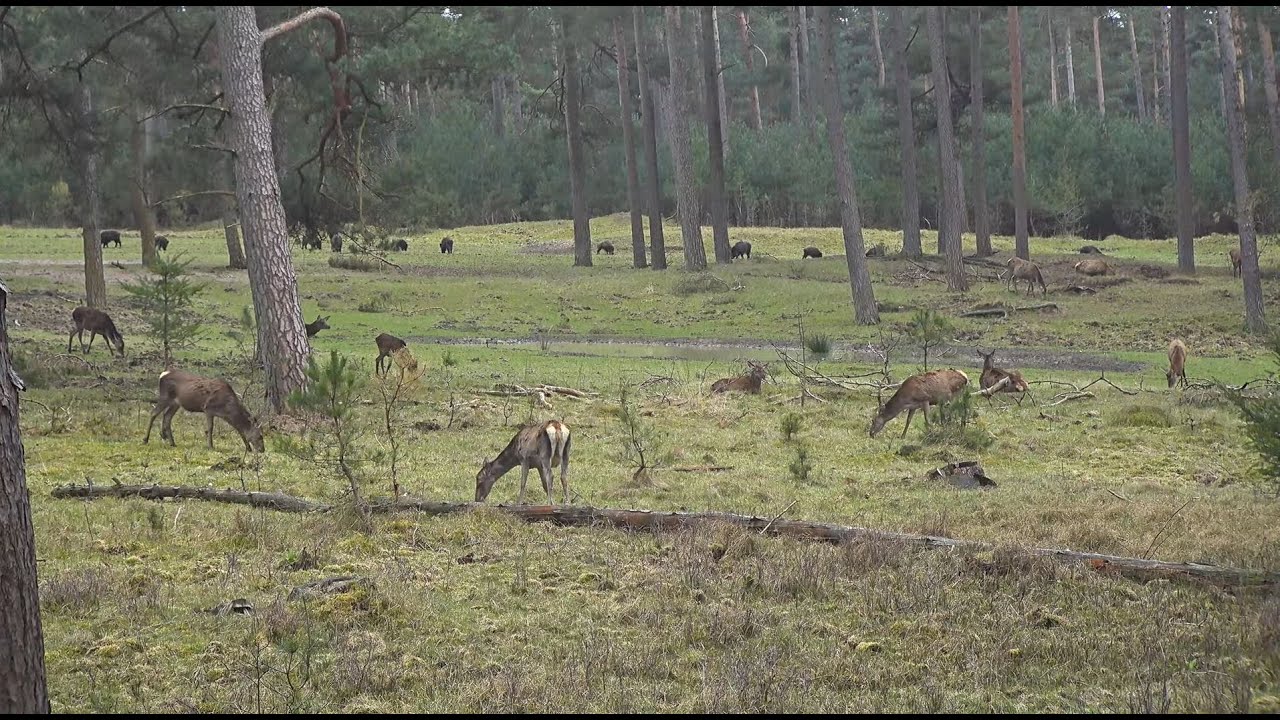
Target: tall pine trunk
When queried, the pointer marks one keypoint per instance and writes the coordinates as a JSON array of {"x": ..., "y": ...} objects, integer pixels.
[
  {"x": 142, "y": 214},
  {"x": 906, "y": 136},
  {"x": 875, "y": 39},
  {"x": 577, "y": 163},
  {"x": 806, "y": 66},
  {"x": 1071, "y": 65},
  {"x": 951, "y": 216},
  {"x": 744, "y": 29},
  {"x": 1217, "y": 53},
  {"x": 1269, "y": 83},
  {"x": 1160, "y": 83},
  {"x": 1164, "y": 59},
  {"x": 981, "y": 220},
  {"x": 1253, "y": 313},
  {"x": 649, "y": 128},
  {"x": 1140, "y": 91},
  {"x": 715, "y": 141},
  {"x": 1180, "y": 121},
  {"x": 272, "y": 279},
  {"x": 629, "y": 147},
  {"x": 22, "y": 670},
  {"x": 864, "y": 299},
  {"x": 1053, "y": 60},
  {"x": 88, "y": 197},
  {"x": 794, "y": 31},
  {"x": 723, "y": 102},
  {"x": 1021, "y": 248},
  {"x": 678, "y": 40},
  {"x": 1097, "y": 69}
]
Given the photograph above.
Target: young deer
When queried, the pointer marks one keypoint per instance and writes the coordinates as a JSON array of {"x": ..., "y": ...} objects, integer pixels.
[
  {"x": 321, "y": 323},
  {"x": 991, "y": 375},
  {"x": 919, "y": 392},
  {"x": 387, "y": 345},
  {"x": 1177, "y": 363},
  {"x": 97, "y": 323},
  {"x": 536, "y": 445},
  {"x": 1020, "y": 269},
  {"x": 211, "y": 396},
  {"x": 1235, "y": 261},
  {"x": 745, "y": 383}
]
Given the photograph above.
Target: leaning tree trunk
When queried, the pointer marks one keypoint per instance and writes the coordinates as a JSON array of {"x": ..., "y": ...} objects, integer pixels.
[
  {"x": 649, "y": 128},
  {"x": 715, "y": 141},
  {"x": 1021, "y": 248},
  {"x": 864, "y": 299},
  {"x": 1253, "y": 313},
  {"x": 1053, "y": 60},
  {"x": 744, "y": 26},
  {"x": 1181, "y": 140},
  {"x": 272, "y": 279},
  {"x": 1137, "y": 66},
  {"x": 695, "y": 256},
  {"x": 629, "y": 147},
  {"x": 1269, "y": 83},
  {"x": 906, "y": 137},
  {"x": 22, "y": 671},
  {"x": 981, "y": 220},
  {"x": 88, "y": 199},
  {"x": 230, "y": 222},
  {"x": 1071, "y": 65},
  {"x": 950, "y": 217},
  {"x": 577, "y": 163},
  {"x": 142, "y": 214},
  {"x": 794, "y": 22},
  {"x": 1097, "y": 69},
  {"x": 723, "y": 103},
  {"x": 875, "y": 39}
]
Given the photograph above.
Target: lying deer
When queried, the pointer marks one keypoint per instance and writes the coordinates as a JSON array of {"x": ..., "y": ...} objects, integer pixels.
[
  {"x": 992, "y": 375},
  {"x": 321, "y": 323},
  {"x": 1020, "y": 269},
  {"x": 745, "y": 383},
  {"x": 919, "y": 392},
  {"x": 1092, "y": 266},
  {"x": 1177, "y": 363},
  {"x": 97, "y": 323},
  {"x": 211, "y": 396},
  {"x": 1235, "y": 261},
  {"x": 536, "y": 445},
  {"x": 387, "y": 345}
]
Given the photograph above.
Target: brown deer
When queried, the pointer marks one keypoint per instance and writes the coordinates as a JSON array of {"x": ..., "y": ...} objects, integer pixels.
[
  {"x": 97, "y": 323},
  {"x": 1092, "y": 266},
  {"x": 1020, "y": 269},
  {"x": 535, "y": 445},
  {"x": 992, "y": 375},
  {"x": 321, "y": 323},
  {"x": 919, "y": 392},
  {"x": 1177, "y": 363},
  {"x": 1235, "y": 261},
  {"x": 745, "y": 383},
  {"x": 211, "y": 396},
  {"x": 387, "y": 345}
]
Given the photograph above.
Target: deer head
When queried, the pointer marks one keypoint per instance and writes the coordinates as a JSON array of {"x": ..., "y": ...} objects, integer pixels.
[{"x": 485, "y": 479}]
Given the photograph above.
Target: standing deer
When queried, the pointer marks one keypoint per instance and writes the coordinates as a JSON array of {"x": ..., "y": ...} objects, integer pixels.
[
  {"x": 992, "y": 375},
  {"x": 1177, "y": 363},
  {"x": 1020, "y": 269},
  {"x": 97, "y": 323},
  {"x": 1235, "y": 261},
  {"x": 387, "y": 345},
  {"x": 919, "y": 392},
  {"x": 320, "y": 323},
  {"x": 211, "y": 396},
  {"x": 536, "y": 445},
  {"x": 745, "y": 383}
]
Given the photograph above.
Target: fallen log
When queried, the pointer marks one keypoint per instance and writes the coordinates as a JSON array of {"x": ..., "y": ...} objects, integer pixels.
[
  {"x": 986, "y": 312},
  {"x": 637, "y": 520}
]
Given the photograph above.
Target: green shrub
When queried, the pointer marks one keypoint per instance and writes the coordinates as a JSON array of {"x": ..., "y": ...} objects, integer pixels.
[{"x": 791, "y": 424}]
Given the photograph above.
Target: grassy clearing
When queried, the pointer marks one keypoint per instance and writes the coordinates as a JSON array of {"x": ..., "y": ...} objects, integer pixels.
[{"x": 482, "y": 613}]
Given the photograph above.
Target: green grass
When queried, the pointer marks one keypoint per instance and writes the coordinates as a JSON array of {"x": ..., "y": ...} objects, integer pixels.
[{"x": 484, "y": 613}]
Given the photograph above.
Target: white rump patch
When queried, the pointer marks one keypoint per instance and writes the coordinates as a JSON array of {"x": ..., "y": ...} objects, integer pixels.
[{"x": 166, "y": 372}]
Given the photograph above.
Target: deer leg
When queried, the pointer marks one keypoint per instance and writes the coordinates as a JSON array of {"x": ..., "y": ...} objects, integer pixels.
[
  {"x": 910, "y": 413},
  {"x": 548, "y": 479},
  {"x": 155, "y": 413},
  {"x": 564, "y": 472},
  {"x": 208, "y": 429},
  {"x": 92, "y": 335},
  {"x": 73, "y": 334},
  {"x": 166, "y": 428},
  {"x": 524, "y": 478}
]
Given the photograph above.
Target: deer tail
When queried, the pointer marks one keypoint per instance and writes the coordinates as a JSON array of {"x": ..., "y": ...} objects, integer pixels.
[{"x": 558, "y": 435}]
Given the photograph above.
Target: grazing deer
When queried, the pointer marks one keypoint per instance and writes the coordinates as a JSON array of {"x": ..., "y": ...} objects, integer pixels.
[
  {"x": 446, "y": 246},
  {"x": 919, "y": 392},
  {"x": 536, "y": 445},
  {"x": 1020, "y": 269},
  {"x": 992, "y": 375},
  {"x": 319, "y": 324},
  {"x": 211, "y": 396},
  {"x": 745, "y": 383},
  {"x": 811, "y": 252},
  {"x": 97, "y": 323},
  {"x": 1177, "y": 371},
  {"x": 1092, "y": 266},
  {"x": 387, "y": 345},
  {"x": 162, "y": 242},
  {"x": 109, "y": 236},
  {"x": 1235, "y": 261},
  {"x": 605, "y": 247},
  {"x": 740, "y": 249}
]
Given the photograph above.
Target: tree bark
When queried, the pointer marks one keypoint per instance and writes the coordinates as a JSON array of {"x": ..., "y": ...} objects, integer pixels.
[
  {"x": 695, "y": 256},
  {"x": 498, "y": 88},
  {"x": 1071, "y": 65},
  {"x": 230, "y": 220},
  {"x": 723, "y": 100},
  {"x": 1252, "y": 278},
  {"x": 1237, "y": 37},
  {"x": 1160, "y": 90},
  {"x": 864, "y": 299},
  {"x": 875, "y": 39},
  {"x": 1021, "y": 248},
  {"x": 1269, "y": 83},
  {"x": 272, "y": 280},
  {"x": 796, "y": 112},
  {"x": 88, "y": 199},
  {"x": 806, "y": 66},
  {"x": 577, "y": 163},
  {"x": 1164, "y": 59},
  {"x": 757, "y": 123},
  {"x": 649, "y": 128},
  {"x": 1217, "y": 51},
  {"x": 950, "y": 215},
  {"x": 1097, "y": 69},
  {"x": 1180, "y": 121},
  {"x": 142, "y": 214},
  {"x": 1053, "y": 60},
  {"x": 629, "y": 147},
  {"x": 906, "y": 136},
  {"x": 981, "y": 220},
  {"x": 1139, "y": 91},
  {"x": 715, "y": 141},
  {"x": 22, "y": 670}
]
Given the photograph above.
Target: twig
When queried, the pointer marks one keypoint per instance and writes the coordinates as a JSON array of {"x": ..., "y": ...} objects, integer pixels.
[
  {"x": 775, "y": 517},
  {"x": 1117, "y": 495},
  {"x": 1070, "y": 396},
  {"x": 1166, "y": 527},
  {"x": 1103, "y": 379},
  {"x": 704, "y": 468}
]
